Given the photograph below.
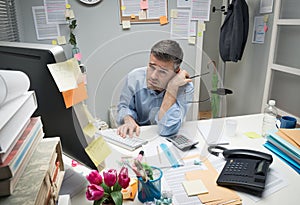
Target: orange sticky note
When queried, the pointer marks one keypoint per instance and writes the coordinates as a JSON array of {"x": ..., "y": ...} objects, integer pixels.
[
  {"x": 74, "y": 96},
  {"x": 144, "y": 4},
  {"x": 163, "y": 20}
]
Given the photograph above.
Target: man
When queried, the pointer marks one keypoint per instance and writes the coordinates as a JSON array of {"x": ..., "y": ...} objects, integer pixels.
[{"x": 156, "y": 94}]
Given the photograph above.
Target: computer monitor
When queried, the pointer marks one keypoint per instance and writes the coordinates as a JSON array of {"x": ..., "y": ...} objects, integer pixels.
[{"x": 32, "y": 59}]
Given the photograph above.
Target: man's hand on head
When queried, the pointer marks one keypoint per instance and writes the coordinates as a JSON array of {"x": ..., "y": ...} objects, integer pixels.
[
  {"x": 180, "y": 79},
  {"x": 129, "y": 127}
]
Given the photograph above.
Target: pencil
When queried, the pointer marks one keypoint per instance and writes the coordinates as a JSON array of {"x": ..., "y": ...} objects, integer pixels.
[{"x": 159, "y": 158}]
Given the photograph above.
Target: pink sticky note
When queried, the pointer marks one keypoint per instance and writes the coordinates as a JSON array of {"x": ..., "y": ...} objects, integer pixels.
[
  {"x": 265, "y": 28},
  {"x": 77, "y": 56},
  {"x": 144, "y": 4}
]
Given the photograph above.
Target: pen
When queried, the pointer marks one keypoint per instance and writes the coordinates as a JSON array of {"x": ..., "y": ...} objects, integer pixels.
[
  {"x": 159, "y": 158},
  {"x": 195, "y": 76}
]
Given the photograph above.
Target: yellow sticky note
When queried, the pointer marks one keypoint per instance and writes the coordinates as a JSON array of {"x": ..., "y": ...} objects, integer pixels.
[
  {"x": 201, "y": 26},
  {"x": 61, "y": 40},
  {"x": 126, "y": 24},
  {"x": 90, "y": 130},
  {"x": 266, "y": 18},
  {"x": 200, "y": 34},
  {"x": 54, "y": 42},
  {"x": 192, "y": 40},
  {"x": 163, "y": 20},
  {"x": 252, "y": 135},
  {"x": 98, "y": 150},
  {"x": 123, "y": 8},
  {"x": 68, "y": 6},
  {"x": 174, "y": 13}
]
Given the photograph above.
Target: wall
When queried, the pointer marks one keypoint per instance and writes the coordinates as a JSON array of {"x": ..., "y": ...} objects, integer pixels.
[{"x": 110, "y": 52}]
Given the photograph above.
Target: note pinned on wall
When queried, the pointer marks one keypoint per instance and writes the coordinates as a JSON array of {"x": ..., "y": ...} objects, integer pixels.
[{"x": 98, "y": 150}]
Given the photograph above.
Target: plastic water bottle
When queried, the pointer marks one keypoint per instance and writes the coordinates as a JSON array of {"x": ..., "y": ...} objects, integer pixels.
[{"x": 270, "y": 118}]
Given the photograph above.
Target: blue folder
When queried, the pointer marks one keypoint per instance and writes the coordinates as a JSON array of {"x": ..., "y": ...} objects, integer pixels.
[{"x": 292, "y": 163}]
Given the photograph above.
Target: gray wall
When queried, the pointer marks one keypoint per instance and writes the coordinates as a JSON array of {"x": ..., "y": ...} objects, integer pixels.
[{"x": 110, "y": 52}]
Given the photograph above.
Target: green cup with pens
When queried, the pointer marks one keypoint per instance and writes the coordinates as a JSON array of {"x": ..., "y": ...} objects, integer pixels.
[{"x": 149, "y": 188}]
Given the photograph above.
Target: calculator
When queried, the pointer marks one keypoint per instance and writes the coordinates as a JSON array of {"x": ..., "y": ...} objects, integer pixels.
[{"x": 182, "y": 142}]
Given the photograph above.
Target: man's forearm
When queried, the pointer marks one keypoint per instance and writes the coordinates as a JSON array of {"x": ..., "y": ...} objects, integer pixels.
[{"x": 168, "y": 101}]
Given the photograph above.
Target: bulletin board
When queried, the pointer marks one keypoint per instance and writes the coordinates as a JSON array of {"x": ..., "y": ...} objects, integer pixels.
[{"x": 130, "y": 10}]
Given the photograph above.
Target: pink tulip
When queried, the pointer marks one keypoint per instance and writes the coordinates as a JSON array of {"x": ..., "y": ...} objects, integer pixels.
[
  {"x": 94, "y": 177},
  {"x": 123, "y": 178},
  {"x": 110, "y": 177},
  {"x": 94, "y": 192}
]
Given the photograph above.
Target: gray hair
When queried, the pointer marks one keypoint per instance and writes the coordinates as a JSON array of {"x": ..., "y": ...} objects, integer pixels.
[{"x": 168, "y": 50}]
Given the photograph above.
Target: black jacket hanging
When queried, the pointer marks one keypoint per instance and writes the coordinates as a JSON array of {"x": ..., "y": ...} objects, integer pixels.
[{"x": 234, "y": 31}]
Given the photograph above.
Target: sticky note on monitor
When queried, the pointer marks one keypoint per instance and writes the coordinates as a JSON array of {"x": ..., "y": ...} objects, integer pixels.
[{"x": 194, "y": 187}]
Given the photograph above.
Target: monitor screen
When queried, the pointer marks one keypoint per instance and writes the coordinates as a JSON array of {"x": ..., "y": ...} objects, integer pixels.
[{"x": 32, "y": 59}]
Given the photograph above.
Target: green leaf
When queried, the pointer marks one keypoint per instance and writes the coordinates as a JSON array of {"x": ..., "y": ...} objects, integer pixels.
[
  {"x": 98, "y": 202},
  {"x": 117, "y": 187},
  {"x": 117, "y": 197},
  {"x": 106, "y": 188}
]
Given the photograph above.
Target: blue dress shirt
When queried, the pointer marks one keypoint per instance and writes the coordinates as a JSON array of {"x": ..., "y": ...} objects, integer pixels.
[{"x": 143, "y": 104}]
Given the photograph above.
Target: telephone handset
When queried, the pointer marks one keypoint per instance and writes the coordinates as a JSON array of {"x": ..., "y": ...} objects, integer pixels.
[{"x": 245, "y": 170}]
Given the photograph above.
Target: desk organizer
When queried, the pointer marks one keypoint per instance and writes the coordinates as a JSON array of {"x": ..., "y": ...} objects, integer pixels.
[{"x": 151, "y": 189}]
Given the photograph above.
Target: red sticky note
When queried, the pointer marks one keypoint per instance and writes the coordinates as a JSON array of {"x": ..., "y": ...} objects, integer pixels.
[{"x": 144, "y": 4}]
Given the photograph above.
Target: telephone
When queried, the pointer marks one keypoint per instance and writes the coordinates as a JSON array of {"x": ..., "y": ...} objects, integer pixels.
[{"x": 245, "y": 170}]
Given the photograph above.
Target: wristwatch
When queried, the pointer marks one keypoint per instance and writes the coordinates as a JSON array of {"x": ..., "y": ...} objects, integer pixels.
[{"x": 90, "y": 1}]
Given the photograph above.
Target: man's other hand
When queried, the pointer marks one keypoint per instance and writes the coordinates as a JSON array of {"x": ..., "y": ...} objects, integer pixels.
[{"x": 129, "y": 127}]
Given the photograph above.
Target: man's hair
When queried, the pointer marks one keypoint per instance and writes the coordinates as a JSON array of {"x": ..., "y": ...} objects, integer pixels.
[{"x": 168, "y": 50}]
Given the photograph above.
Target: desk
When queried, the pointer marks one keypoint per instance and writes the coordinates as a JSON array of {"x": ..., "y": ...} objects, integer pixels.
[{"x": 247, "y": 123}]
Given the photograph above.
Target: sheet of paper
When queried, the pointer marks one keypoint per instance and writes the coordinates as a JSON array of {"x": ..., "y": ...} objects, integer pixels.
[
  {"x": 130, "y": 7},
  {"x": 213, "y": 131},
  {"x": 192, "y": 28},
  {"x": 200, "y": 10},
  {"x": 74, "y": 96},
  {"x": 258, "y": 30},
  {"x": 184, "y": 3},
  {"x": 173, "y": 178},
  {"x": 98, "y": 150},
  {"x": 42, "y": 29},
  {"x": 180, "y": 25},
  {"x": 266, "y": 6},
  {"x": 157, "y": 8},
  {"x": 194, "y": 187},
  {"x": 55, "y": 11},
  {"x": 66, "y": 74}
]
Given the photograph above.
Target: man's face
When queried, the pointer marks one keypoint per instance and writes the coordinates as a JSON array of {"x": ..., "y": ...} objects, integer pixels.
[{"x": 159, "y": 74}]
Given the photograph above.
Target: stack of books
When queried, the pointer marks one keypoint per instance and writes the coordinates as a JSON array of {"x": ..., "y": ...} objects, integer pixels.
[
  {"x": 285, "y": 143},
  {"x": 20, "y": 133}
]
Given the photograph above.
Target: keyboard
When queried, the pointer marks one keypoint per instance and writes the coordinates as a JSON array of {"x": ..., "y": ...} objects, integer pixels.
[{"x": 129, "y": 143}]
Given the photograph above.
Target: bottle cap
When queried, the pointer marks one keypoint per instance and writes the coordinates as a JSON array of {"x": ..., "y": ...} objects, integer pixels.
[{"x": 272, "y": 102}]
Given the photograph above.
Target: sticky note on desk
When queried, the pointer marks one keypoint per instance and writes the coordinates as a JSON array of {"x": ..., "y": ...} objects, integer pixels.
[
  {"x": 194, "y": 187},
  {"x": 252, "y": 135}
]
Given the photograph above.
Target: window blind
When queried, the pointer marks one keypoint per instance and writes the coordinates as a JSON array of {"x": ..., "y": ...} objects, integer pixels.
[{"x": 8, "y": 21}]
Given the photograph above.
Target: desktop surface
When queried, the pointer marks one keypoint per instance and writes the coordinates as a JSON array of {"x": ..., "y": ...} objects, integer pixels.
[{"x": 248, "y": 123}]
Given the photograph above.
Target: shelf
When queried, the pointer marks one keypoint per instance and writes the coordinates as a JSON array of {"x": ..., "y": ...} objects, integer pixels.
[
  {"x": 286, "y": 69},
  {"x": 288, "y": 22}
]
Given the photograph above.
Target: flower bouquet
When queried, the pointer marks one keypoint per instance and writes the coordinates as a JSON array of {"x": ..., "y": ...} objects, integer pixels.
[{"x": 107, "y": 189}]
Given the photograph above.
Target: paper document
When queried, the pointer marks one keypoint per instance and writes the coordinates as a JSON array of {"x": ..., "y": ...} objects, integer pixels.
[{"x": 213, "y": 131}]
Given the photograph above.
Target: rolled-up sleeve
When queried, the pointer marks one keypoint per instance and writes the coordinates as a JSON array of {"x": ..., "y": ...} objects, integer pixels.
[{"x": 172, "y": 120}]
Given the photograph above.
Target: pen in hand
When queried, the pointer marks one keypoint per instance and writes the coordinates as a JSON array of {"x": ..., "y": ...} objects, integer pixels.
[{"x": 199, "y": 75}]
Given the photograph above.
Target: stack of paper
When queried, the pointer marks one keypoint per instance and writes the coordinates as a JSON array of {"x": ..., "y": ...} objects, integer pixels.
[
  {"x": 285, "y": 143},
  {"x": 215, "y": 194}
]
